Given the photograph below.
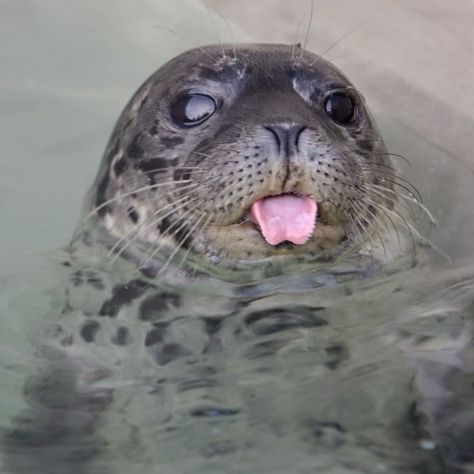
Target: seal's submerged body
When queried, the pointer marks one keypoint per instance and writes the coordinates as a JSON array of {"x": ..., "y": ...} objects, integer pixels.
[{"x": 258, "y": 165}]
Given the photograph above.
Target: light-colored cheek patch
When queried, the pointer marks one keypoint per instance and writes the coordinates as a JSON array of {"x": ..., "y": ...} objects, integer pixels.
[{"x": 286, "y": 217}]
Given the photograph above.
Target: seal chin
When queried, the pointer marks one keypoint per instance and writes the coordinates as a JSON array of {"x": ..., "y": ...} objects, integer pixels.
[{"x": 245, "y": 241}]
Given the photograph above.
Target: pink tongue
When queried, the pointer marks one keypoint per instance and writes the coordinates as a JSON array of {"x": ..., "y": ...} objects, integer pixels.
[{"x": 285, "y": 217}]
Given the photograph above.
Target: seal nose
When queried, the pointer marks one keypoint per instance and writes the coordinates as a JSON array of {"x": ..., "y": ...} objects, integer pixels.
[{"x": 286, "y": 136}]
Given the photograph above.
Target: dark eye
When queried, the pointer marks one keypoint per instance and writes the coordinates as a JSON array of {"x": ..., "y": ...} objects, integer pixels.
[
  {"x": 340, "y": 107},
  {"x": 193, "y": 109}
]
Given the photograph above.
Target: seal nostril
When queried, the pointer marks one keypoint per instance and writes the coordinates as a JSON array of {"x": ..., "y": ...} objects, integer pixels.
[
  {"x": 286, "y": 136},
  {"x": 277, "y": 136}
]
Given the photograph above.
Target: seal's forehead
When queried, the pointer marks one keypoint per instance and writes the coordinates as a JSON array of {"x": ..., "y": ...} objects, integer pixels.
[{"x": 273, "y": 61}]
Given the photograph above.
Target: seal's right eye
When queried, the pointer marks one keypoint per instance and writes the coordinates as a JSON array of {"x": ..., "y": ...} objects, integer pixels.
[{"x": 193, "y": 109}]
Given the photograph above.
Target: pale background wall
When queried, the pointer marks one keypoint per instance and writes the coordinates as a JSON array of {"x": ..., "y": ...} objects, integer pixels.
[{"x": 67, "y": 68}]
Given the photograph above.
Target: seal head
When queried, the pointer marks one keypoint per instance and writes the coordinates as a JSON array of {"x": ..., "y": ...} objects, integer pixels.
[{"x": 245, "y": 155}]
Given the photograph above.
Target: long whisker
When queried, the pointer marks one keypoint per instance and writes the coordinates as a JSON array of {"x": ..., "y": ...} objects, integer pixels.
[
  {"x": 395, "y": 155},
  {"x": 333, "y": 45},
  {"x": 172, "y": 208},
  {"x": 216, "y": 30},
  {"x": 363, "y": 209},
  {"x": 295, "y": 42},
  {"x": 400, "y": 218},
  {"x": 379, "y": 217},
  {"x": 360, "y": 228},
  {"x": 170, "y": 232},
  {"x": 308, "y": 30},
  {"x": 183, "y": 240},
  {"x": 135, "y": 191},
  {"x": 408, "y": 203},
  {"x": 197, "y": 234},
  {"x": 230, "y": 31},
  {"x": 394, "y": 175}
]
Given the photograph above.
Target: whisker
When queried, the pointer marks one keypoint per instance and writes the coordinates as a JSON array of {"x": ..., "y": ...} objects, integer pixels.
[
  {"x": 395, "y": 155},
  {"x": 185, "y": 256},
  {"x": 357, "y": 205},
  {"x": 333, "y": 45},
  {"x": 172, "y": 209},
  {"x": 359, "y": 227},
  {"x": 216, "y": 30},
  {"x": 406, "y": 185},
  {"x": 130, "y": 193},
  {"x": 308, "y": 30},
  {"x": 181, "y": 243},
  {"x": 379, "y": 217},
  {"x": 408, "y": 203},
  {"x": 170, "y": 232},
  {"x": 230, "y": 31},
  {"x": 169, "y": 30},
  {"x": 295, "y": 42}
]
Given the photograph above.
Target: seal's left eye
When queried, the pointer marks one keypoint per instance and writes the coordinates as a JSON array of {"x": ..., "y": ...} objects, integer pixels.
[{"x": 192, "y": 110}]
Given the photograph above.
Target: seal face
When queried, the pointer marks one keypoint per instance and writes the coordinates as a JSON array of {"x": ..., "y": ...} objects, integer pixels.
[{"x": 244, "y": 155}]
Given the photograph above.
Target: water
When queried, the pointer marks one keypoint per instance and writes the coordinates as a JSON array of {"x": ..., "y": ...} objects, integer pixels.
[
  {"x": 321, "y": 371},
  {"x": 307, "y": 373}
]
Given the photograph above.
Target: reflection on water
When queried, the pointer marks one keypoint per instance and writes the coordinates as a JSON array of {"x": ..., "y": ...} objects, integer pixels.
[{"x": 327, "y": 373}]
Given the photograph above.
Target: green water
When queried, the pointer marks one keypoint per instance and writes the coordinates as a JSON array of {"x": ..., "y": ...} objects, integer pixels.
[{"x": 303, "y": 374}]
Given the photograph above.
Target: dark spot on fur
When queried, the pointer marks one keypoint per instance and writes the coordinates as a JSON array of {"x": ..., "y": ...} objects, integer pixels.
[
  {"x": 154, "y": 129},
  {"x": 195, "y": 384},
  {"x": 121, "y": 337},
  {"x": 134, "y": 149},
  {"x": 170, "y": 142},
  {"x": 94, "y": 281},
  {"x": 77, "y": 278},
  {"x": 67, "y": 341},
  {"x": 214, "y": 412},
  {"x": 170, "y": 352},
  {"x": 123, "y": 295},
  {"x": 265, "y": 349},
  {"x": 179, "y": 230},
  {"x": 164, "y": 225},
  {"x": 155, "y": 164},
  {"x": 152, "y": 308},
  {"x": 154, "y": 336},
  {"x": 213, "y": 325},
  {"x": 89, "y": 330},
  {"x": 336, "y": 353},
  {"x": 280, "y": 319},
  {"x": 133, "y": 214},
  {"x": 181, "y": 175},
  {"x": 182, "y": 234},
  {"x": 366, "y": 145},
  {"x": 120, "y": 166}
]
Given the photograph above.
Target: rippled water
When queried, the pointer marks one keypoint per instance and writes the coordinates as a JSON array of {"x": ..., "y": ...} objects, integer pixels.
[{"x": 326, "y": 370}]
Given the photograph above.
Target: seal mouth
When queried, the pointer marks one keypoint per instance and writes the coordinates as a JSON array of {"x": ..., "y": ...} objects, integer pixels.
[{"x": 285, "y": 217}]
